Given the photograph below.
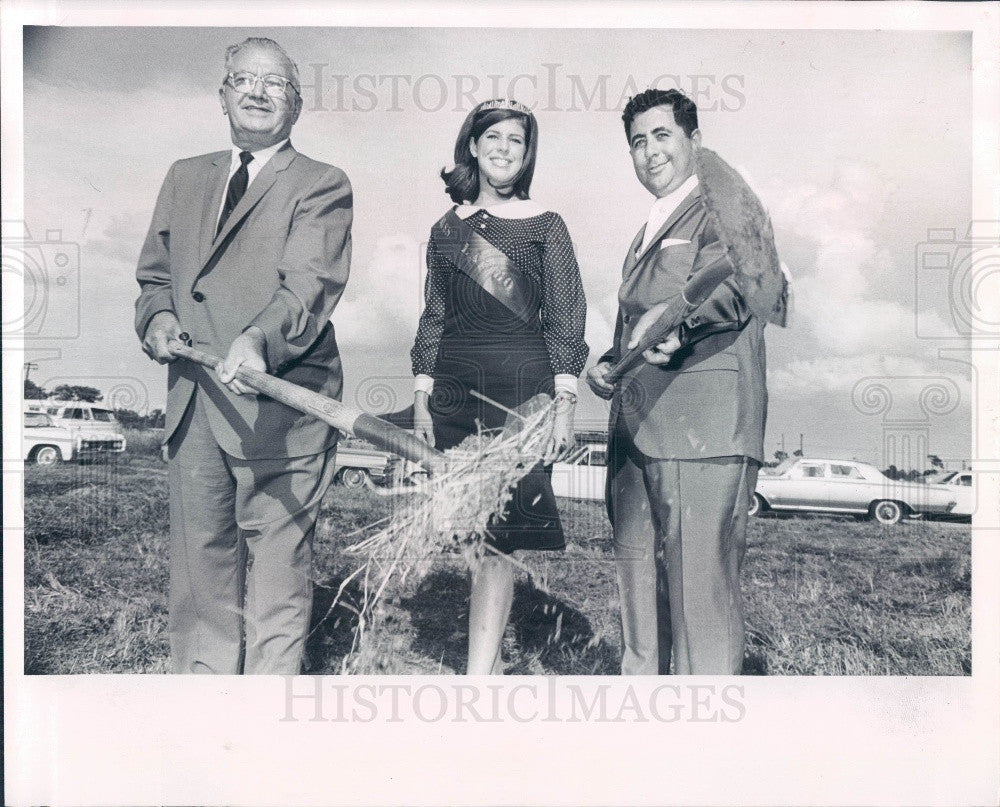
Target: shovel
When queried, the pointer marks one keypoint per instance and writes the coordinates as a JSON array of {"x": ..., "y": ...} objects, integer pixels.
[{"x": 745, "y": 229}]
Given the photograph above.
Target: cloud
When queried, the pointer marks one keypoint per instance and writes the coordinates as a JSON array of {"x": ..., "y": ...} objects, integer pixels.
[{"x": 841, "y": 375}]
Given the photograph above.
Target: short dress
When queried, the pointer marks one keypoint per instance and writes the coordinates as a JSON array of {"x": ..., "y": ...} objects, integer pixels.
[{"x": 468, "y": 339}]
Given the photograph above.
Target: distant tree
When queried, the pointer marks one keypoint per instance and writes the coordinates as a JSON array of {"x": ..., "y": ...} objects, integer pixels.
[
  {"x": 797, "y": 452},
  {"x": 892, "y": 472},
  {"x": 780, "y": 456},
  {"x": 156, "y": 419},
  {"x": 33, "y": 392},
  {"x": 130, "y": 419},
  {"x": 75, "y": 392},
  {"x": 935, "y": 461}
]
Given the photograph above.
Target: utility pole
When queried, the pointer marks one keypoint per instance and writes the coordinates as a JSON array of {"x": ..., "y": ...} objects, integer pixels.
[
  {"x": 801, "y": 451},
  {"x": 28, "y": 367},
  {"x": 782, "y": 442}
]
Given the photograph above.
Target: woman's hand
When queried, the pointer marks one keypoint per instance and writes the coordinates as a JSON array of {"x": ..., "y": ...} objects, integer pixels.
[
  {"x": 562, "y": 427},
  {"x": 423, "y": 423}
]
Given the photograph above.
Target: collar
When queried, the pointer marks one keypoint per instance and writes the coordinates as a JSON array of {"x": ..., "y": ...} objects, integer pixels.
[
  {"x": 513, "y": 209},
  {"x": 261, "y": 156},
  {"x": 665, "y": 205}
]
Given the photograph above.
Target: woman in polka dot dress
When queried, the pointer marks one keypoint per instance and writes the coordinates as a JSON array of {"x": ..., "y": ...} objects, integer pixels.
[{"x": 504, "y": 315}]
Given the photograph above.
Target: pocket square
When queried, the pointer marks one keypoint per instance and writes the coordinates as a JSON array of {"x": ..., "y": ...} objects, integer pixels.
[{"x": 672, "y": 242}]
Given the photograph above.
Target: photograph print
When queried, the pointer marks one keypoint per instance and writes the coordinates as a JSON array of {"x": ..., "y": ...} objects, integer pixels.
[{"x": 485, "y": 351}]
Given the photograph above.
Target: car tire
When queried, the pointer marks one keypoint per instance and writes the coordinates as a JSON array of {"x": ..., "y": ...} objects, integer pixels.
[
  {"x": 757, "y": 505},
  {"x": 353, "y": 478},
  {"x": 46, "y": 456},
  {"x": 887, "y": 513}
]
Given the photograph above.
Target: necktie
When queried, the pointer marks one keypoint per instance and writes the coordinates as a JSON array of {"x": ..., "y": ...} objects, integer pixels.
[{"x": 237, "y": 187}]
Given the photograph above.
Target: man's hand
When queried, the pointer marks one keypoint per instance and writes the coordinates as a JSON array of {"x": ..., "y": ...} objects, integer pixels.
[
  {"x": 163, "y": 327},
  {"x": 595, "y": 379},
  {"x": 423, "y": 424},
  {"x": 562, "y": 428},
  {"x": 664, "y": 351},
  {"x": 247, "y": 350}
]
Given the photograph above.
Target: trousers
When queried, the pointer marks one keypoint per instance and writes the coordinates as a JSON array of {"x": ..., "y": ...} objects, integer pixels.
[
  {"x": 241, "y": 535},
  {"x": 679, "y": 541}
]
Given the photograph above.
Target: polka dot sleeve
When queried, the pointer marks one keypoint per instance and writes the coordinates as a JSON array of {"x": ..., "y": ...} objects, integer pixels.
[
  {"x": 424, "y": 353},
  {"x": 564, "y": 309}
]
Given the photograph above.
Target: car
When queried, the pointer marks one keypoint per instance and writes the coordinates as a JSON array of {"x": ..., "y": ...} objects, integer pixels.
[
  {"x": 581, "y": 474},
  {"x": 843, "y": 486},
  {"x": 48, "y": 440},
  {"x": 94, "y": 428},
  {"x": 960, "y": 483},
  {"x": 357, "y": 463}
]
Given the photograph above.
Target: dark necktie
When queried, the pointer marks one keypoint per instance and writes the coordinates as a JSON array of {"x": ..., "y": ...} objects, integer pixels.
[{"x": 237, "y": 187}]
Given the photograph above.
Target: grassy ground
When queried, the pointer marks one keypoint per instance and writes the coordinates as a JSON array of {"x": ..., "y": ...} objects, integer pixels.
[{"x": 824, "y": 596}]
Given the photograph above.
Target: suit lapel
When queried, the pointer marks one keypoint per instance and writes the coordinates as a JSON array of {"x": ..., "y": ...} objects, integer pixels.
[
  {"x": 682, "y": 208},
  {"x": 214, "y": 189},
  {"x": 261, "y": 184},
  {"x": 631, "y": 257}
]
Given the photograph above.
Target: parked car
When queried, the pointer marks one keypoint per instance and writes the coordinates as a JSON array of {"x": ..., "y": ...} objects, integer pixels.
[
  {"x": 45, "y": 441},
  {"x": 582, "y": 473},
  {"x": 960, "y": 483},
  {"x": 841, "y": 486},
  {"x": 94, "y": 427},
  {"x": 358, "y": 462}
]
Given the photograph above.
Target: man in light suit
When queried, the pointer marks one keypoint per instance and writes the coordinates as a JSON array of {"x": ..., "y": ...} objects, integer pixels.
[
  {"x": 687, "y": 425},
  {"x": 248, "y": 253}
]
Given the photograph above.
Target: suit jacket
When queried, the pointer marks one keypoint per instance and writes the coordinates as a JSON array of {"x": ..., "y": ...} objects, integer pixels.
[
  {"x": 280, "y": 262},
  {"x": 711, "y": 399}
]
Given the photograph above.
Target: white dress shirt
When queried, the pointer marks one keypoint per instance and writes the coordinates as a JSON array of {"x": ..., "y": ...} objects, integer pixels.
[
  {"x": 664, "y": 207},
  {"x": 260, "y": 159}
]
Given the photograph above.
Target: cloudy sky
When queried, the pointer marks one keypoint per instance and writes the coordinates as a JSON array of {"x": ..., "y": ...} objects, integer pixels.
[{"x": 858, "y": 143}]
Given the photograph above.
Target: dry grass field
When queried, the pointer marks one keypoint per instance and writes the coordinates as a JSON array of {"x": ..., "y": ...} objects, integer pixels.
[{"x": 824, "y": 595}]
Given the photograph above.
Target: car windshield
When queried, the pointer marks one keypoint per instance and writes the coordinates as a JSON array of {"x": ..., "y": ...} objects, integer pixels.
[
  {"x": 36, "y": 419},
  {"x": 104, "y": 415}
]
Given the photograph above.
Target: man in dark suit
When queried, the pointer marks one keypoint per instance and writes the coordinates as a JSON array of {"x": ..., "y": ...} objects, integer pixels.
[
  {"x": 248, "y": 252},
  {"x": 687, "y": 425}
]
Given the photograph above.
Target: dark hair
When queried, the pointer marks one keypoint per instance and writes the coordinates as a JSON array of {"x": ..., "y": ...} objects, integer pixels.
[
  {"x": 685, "y": 111},
  {"x": 462, "y": 181}
]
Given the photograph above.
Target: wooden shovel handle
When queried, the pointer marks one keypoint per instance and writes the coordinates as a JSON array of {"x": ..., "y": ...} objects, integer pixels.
[
  {"x": 348, "y": 420},
  {"x": 698, "y": 289}
]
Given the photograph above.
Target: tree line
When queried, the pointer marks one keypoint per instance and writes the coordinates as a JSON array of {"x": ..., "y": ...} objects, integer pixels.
[{"x": 128, "y": 418}]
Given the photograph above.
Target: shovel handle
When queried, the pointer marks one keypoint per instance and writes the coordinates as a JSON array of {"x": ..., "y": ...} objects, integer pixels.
[
  {"x": 698, "y": 289},
  {"x": 350, "y": 421}
]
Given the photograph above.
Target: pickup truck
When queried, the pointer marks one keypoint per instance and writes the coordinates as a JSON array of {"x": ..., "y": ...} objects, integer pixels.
[{"x": 45, "y": 442}]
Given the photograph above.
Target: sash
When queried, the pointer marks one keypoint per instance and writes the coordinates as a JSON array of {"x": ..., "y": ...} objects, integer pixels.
[{"x": 487, "y": 267}]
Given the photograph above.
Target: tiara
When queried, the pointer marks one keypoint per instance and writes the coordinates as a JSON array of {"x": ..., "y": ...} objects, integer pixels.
[{"x": 504, "y": 103}]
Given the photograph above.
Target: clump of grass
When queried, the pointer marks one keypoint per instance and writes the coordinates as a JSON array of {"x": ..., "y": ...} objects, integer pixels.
[{"x": 452, "y": 510}]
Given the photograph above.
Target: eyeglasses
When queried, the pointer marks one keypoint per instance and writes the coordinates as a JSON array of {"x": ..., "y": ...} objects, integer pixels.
[{"x": 274, "y": 85}]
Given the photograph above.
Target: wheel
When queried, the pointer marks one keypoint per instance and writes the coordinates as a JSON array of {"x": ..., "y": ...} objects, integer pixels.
[
  {"x": 353, "y": 478},
  {"x": 757, "y": 505},
  {"x": 887, "y": 513},
  {"x": 46, "y": 455}
]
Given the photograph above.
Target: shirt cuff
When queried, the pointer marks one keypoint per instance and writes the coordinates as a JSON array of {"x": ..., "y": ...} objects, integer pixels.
[
  {"x": 423, "y": 383},
  {"x": 565, "y": 382}
]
